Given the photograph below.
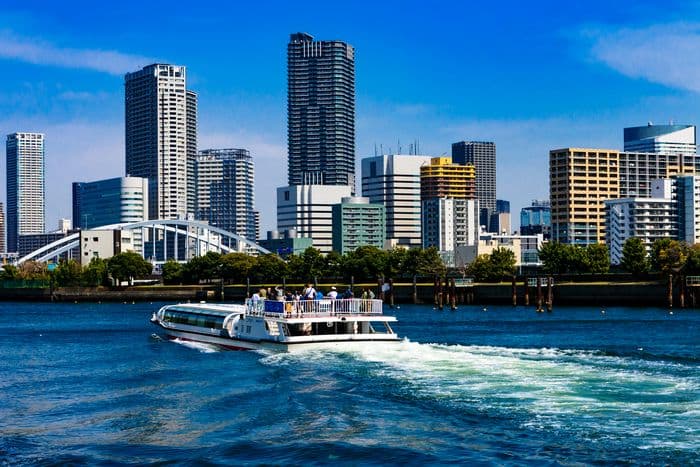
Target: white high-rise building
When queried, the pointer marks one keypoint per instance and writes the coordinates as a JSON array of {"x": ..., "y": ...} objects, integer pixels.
[
  {"x": 308, "y": 210},
  {"x": 450, "y": 222},
  {"x": 394, "y": 181},
  {"x": 662, "y": 139},
  {"x": 161, "y": 138},
  {"x": 25, "y": 186},
  {"x": 649, "y": 219}
]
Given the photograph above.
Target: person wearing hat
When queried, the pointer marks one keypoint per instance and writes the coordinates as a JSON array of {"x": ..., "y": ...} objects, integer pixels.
[{"x": 333, "y": 294}]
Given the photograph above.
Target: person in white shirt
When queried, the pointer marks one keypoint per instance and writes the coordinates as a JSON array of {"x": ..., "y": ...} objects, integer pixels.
[{"x": 333, "y": 294}]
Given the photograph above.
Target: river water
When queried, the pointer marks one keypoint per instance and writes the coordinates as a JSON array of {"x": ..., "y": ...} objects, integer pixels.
[{"x": 93, "y": 384}]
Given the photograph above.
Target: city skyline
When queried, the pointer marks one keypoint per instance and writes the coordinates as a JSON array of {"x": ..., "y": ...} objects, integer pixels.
[{"x": 590, "y": 71}]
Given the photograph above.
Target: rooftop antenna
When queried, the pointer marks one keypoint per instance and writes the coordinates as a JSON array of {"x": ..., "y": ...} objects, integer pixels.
[
  {"x": 381, "y": 148},
  {"x": 375, "y": 149},
  {"x": 399, "y": 145}
]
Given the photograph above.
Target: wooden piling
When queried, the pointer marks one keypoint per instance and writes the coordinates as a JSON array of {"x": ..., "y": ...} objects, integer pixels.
[
  {"x": 681, "y": 298},
  {"x": 539, "y": 294},
  {"x": 550, "y": 293},
  {"x": 526, "y": 284},
  {"x": 391, "y": 293},
  {"x": 670, "y": 290},
  {"x": 414, "y": 295},
  {"x": 514, "y": 294},
  {"x": 453, "y": 294},
  {"x": 439, "y": 294}
]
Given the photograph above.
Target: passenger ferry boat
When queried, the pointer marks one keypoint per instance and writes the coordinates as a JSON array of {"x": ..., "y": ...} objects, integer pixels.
[{"x": 279, "y": 325}]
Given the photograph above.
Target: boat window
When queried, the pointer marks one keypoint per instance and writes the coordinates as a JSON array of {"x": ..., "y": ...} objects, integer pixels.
[{"x": 193, "y": 319}]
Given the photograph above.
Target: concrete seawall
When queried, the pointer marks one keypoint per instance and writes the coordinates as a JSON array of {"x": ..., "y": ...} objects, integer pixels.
[{"x": 632, "y": 294}]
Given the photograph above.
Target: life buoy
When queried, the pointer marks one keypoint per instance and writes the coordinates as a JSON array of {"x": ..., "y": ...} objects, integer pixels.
[{"x": 329, "y": 324}]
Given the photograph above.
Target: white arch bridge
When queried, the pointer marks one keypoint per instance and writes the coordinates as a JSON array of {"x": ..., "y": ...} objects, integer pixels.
[{"x": 159, "y": 240}]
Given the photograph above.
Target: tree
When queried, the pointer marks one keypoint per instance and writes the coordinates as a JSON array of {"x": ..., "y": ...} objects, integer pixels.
[
  {"x": 95, "y": 273},
  {"x": 33, "y": 270},
  {"x": 502, "y": 261},
  {"x": 692, "y": 263},
  {"x": 269, "y": 268},
  {"x": 366, "y": 263},
  {"x": 9, "y": 272},
  {"x": 671, "y": 255},
  {"x": 430, "y": 263},
  {"x": 396, "y": 262},
  {"x": 68, "y": 273},
  {"x": 205, "y": 268},
  {"x": 312, "y": 264},
  {"x": 334, "y": 266},
  {"x": 128, "y": 265},
  {"x": 634, "y": 256},
  {"x": 597, "y": 258},
  {"x": 236, "y": 267},
  {"x": 555, "y": 257},
  {"x": 480, "y": 268},
  {"x": 656, "y": 248},
  {"x": 172, "y": 272}
]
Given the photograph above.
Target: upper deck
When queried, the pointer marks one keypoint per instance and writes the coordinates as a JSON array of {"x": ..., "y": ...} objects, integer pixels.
[{"x": 314, "y": 308}]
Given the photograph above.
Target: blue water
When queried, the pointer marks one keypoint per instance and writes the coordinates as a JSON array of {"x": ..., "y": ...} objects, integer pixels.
[{"x": 91, "y": 384}]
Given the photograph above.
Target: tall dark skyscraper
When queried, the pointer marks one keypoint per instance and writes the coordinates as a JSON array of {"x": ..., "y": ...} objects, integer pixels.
[
  {"x": 482, "y": 155},
  {"x": 320, "y": 111}
]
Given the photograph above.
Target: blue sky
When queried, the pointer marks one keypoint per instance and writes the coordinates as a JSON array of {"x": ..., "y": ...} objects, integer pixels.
[{"x": 531, "y": 76}]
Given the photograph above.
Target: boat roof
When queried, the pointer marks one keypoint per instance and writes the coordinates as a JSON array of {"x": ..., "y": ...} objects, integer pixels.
[{"x": 208, "y": 308}]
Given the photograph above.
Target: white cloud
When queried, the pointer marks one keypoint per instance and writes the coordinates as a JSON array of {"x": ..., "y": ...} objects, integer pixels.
[
  {"x": 666, "y": 53},
  {"x": 39, "y": 52}
]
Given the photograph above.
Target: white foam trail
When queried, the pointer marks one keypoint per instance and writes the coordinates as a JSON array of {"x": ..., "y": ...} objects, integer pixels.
[
  {"x": 582, "y": 390},
  {"x": 200, "y": 346}
]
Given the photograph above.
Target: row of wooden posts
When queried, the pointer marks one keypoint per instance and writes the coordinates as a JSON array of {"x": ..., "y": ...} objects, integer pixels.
[{"x": 446, "y": 292}]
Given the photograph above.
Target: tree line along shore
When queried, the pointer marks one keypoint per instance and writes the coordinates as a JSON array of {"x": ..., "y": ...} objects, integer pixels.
[{"x": 414, "y": 274}]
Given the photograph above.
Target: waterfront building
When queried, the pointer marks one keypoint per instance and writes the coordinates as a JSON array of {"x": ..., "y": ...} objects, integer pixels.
[
  {"x": 225, "y": 191},
  {"x": 638, "y": 170},
  {"x": 525, "y": 248},
  {"x": 111, "y": 201},
  {"x": 661, "y": 139},
  {"x": 161, "y": 138},
  {"x": 308, "y": 210},
  {"x": 482, "y": 155},
  {"x": 105, "y": 243},
  {"x": 649, "y": 219},
  {"x": 356, "y": 223},
  {"x": 449, "y": 208},
  {"x": 536, "y": 219},
  {"x": 25, "y": 166},
  {"x": 687, "y": 193},
  {"x": 582, "y": 179},
  {"x": 320, "y": 112},
  {"x": 500, "y": 218},
  {"x": 393, "y": 181},
  {"x": 285, "y": 244}
]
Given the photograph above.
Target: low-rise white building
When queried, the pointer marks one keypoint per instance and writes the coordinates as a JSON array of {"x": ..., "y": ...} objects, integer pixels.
[
  {"x": 648, "y": 219},
  {"x": 104, "y": 244},
  {"x": 308, "y": 210},
  {"x": 524, "y": 247}
]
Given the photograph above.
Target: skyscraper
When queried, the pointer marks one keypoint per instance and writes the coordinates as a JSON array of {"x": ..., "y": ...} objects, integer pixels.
[
  {"x": 394, "y": 181},
  {"x": 482, "y": 155},
  {"x": 3, "y": 247},
  {"x": 663, "y": 139},
  {"x": 161, "y": 137},
  {"x": 449, "y": 210},
  {"x": 320, "y": 111},
  {"x": 225, "y": 192},
  {"x": 25, "y": 186}
]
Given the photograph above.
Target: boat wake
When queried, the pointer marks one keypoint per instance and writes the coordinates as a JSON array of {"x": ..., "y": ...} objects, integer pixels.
[
  {"x": 199, "y": 346},
  {"x": 589, "y": 392}
]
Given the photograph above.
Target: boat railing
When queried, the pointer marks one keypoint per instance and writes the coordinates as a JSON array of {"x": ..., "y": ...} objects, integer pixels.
[{"x": 313, "y": 308}]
